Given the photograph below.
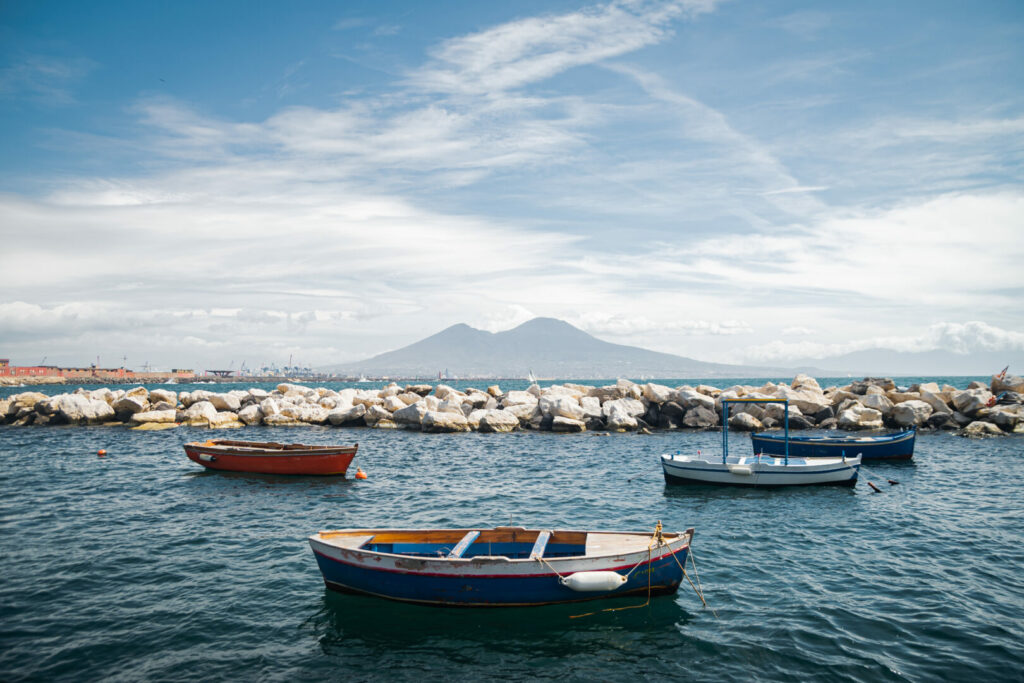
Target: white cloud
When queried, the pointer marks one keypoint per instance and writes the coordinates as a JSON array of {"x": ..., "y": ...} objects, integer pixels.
[
  {"x": 474, "y": 191},
  {"x": 961, "y": 338},
  {"x": 504, "y": 319},
  {"x": 598, "y": 323},
  {"x": 529, "y": 50}
]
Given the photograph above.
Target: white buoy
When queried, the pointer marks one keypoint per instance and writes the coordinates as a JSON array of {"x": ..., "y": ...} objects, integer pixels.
[{"x": 586, "y": 582}]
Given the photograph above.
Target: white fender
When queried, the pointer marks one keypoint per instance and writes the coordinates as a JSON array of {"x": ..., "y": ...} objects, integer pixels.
[{"x": 594, "y": 581}]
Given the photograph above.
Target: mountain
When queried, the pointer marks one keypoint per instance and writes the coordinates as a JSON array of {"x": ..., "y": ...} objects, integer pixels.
[
  {"x": 545, "y": 346},
  {"x": 876, "y": 362}
]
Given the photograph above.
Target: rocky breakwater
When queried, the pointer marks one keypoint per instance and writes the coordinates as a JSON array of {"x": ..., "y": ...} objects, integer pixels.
[{"x": 979, "y": 410}]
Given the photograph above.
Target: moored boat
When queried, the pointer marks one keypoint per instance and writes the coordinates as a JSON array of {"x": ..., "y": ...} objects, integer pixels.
[
  {"x": 500, "y": 567},
  {"x": 758, "y": 470},
  {"x": 271, "y": 458},
  {"x": 898, "y": 446}
]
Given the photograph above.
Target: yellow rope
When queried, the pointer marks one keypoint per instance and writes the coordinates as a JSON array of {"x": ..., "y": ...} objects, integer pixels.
[{"x": 655, "y": 537}]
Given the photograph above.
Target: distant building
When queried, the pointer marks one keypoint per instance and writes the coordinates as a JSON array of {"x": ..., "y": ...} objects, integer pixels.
[{"x": 89, "y": 373}]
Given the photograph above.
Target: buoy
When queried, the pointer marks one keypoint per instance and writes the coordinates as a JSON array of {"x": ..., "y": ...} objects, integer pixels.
[
  {"x": 101, "y": 452},
  {"x": 360, "y": 474},
  {"x": 587, "y": 582}
]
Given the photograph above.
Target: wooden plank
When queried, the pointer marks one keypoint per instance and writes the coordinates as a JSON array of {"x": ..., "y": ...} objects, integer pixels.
[
  {"x": 352, "y": 542},
  {"x": 463, "y": 546},
  {"x": 539, "y": 545}
]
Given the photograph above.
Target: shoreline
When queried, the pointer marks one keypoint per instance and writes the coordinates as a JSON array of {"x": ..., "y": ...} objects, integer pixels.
[{"x": 869, "y": 404}]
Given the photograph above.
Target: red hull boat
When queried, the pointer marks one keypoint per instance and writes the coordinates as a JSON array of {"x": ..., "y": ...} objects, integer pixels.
[{"x": 271, "y": 458}]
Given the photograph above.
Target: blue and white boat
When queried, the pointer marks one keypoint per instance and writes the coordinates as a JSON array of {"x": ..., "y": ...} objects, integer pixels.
[
  {"x": 758, "y": 470},
  {"x": 898, "y": 446},
  {"x": 503, "y": 566}
]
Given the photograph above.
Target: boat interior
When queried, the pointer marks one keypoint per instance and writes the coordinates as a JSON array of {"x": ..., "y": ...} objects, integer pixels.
[
  {"x": 268, "y": 446},
  {"x": 511, "y": 542},
  {"x": 762, "y": 458}
]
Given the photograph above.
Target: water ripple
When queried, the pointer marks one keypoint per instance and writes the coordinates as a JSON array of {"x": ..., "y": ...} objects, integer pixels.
[{"x": 141, "y": 566}]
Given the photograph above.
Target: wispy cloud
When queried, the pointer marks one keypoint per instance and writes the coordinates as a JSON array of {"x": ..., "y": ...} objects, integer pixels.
[
  {"x": 529, "y": 50},
  {"x": 475, "y": 188},
  {"x": 44, "y": 79}
]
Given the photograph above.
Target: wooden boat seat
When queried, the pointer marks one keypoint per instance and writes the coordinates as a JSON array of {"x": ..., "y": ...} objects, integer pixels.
[
  {"x": 605, "y": 544},
  {"x": 463, "y": 546},
  {"x": 352, "y": 542},
  {"x": 539, "y": 545}
]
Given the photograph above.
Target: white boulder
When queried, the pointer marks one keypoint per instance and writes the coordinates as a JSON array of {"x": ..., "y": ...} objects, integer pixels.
[
  {"x": 392, "y": 402},
  {"x": 79, "y": 409},
  {"x": 979, "y": 430},
  {"x": 441, "y": 421},
  {"x": 346, "y": 414},
  {"x": 200, "y": 413},
  {"x": 911, "y": 413},
  {"x": 517, "y": 398},
  {"x": 163, "y": 395},
  {"x": 410, "y": 415},
  {"x": 130, "y": 405},
  {"x": 744, "y": 422},
  {"x": 251, "y": 414},
  {"x": 565, "y": 424},
  {"x": 499, "y": 421},
  {"x": 935, "y": 400},
  {"x": 857, "y": 416},
  {"x": 878, "y": 401},
  {"x": 971, "y": 401},
  {"x": 155, "y": 416},
  {"x": 561, "y": 406},
  {"x": 225, "y": 402},
  {"x": 628, "y": 406}
]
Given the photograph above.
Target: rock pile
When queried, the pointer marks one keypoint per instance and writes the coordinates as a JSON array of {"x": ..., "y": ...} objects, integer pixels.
[{"x": 870, "y": 403}]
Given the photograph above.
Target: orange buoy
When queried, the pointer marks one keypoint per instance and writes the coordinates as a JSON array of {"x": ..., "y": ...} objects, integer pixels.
[
  {"x": 360, "y": 474},
  {"x": 101, "y": 452}
]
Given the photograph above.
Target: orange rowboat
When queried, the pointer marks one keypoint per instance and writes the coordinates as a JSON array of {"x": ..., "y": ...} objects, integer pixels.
[{"x": 271, "y": 458}]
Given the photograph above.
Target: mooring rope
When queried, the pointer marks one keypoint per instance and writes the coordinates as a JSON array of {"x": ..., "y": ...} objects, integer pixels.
[{"x": 656, "y": 538}]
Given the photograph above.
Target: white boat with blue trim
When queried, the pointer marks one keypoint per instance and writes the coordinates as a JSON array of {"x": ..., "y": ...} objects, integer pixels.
[{"x": 759, "y": 469}]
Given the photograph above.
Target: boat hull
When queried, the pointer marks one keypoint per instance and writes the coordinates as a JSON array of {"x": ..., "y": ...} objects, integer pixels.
[
  {"x": 317, "y": 461},
  {"x": 889, "y": 447},
  {"x": 758, "y": 472},
  {"x": 494, "y": 581}
]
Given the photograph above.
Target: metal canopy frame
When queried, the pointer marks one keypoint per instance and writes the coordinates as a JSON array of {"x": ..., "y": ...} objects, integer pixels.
[{"x": 725, "y": 421}]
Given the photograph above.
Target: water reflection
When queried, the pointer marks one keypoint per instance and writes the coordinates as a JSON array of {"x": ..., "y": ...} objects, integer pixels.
[{"x": 555, "y": 630}]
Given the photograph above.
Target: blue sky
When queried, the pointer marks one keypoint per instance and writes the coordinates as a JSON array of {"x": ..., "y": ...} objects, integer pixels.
[{"x": 199, "y": 183}]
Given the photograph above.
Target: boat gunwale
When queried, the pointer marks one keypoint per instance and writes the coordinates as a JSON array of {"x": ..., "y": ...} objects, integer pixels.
[
  {"x": 296, "y": 450},
  {"x": 825, "y": 461},
  {"x": 839, "y": 440},
  {"x": 681, "y": 539}
]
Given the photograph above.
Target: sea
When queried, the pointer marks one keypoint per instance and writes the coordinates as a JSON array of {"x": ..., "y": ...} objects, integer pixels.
[{"x": 140, "y": 565}]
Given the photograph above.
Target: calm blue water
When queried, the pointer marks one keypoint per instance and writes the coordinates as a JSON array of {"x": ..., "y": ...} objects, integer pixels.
[{"x": 140, "y": 565}]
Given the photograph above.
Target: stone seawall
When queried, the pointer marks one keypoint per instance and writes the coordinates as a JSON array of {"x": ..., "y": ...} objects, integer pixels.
[{"x": 872, "y": 403}]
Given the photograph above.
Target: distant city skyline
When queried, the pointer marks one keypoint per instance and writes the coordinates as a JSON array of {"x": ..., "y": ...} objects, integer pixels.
[{"x": 746, "y": 183}]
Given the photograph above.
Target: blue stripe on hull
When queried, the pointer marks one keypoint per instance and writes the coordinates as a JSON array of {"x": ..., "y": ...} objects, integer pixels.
[
  {"x": 672, "y": 479},
  {"x": 490, "y": 591},
  {"x": 899, "y": 447}
]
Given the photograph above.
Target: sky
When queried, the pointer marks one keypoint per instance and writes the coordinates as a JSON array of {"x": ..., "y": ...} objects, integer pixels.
[{"x": 209, "y": 184}]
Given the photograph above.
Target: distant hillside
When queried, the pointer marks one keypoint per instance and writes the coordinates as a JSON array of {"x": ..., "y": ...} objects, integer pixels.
[
  {"x": 921, "y": 363},
  {"x": 545, "y": 346}
]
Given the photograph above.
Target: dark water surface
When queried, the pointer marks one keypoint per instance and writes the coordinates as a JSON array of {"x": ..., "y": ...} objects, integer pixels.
[{"x": 140, "y": 565}]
